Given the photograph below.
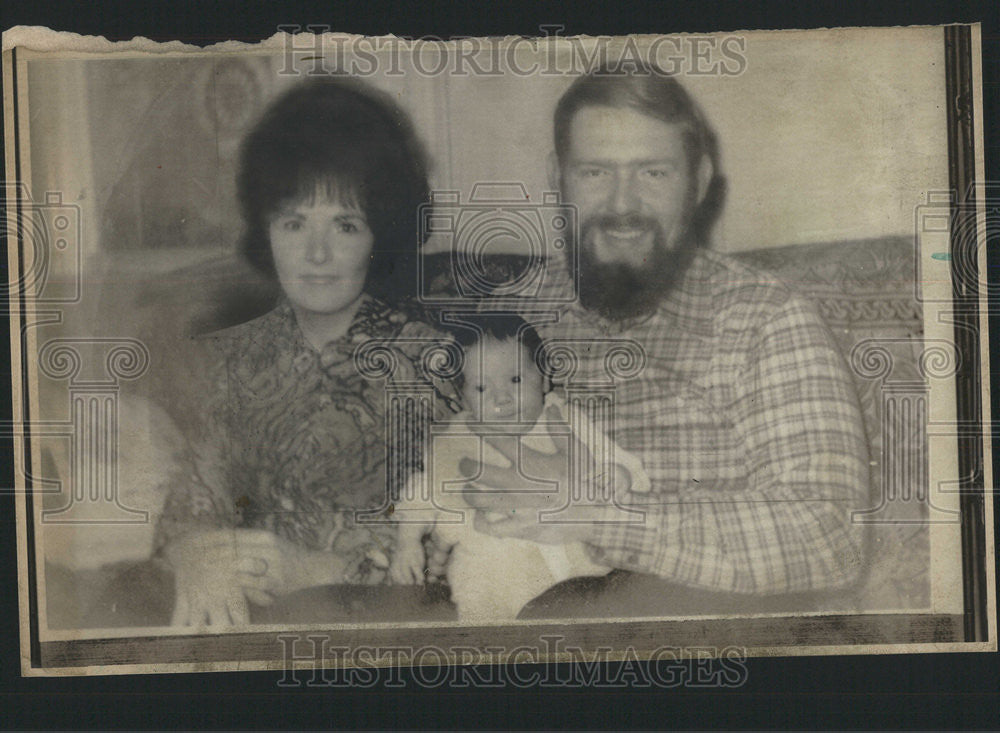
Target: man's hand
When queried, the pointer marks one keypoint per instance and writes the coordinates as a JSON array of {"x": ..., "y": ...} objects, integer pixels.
[
  {"x": 217, "y": 571},
  {"x": 503, "y": 511}
]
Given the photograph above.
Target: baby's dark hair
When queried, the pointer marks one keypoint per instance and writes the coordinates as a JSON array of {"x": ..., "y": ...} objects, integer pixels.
[{"x": 502, "y": 326}]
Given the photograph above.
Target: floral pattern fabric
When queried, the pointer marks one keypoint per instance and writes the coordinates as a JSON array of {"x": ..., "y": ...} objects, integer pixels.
[{"x": 294, "y": 440}]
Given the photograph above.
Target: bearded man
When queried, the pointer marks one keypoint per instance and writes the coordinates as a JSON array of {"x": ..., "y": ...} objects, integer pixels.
[{"x": 745, "y": 416}]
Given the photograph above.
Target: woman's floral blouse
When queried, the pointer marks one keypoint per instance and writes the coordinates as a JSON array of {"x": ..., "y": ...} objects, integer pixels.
[{"x": 294, "y": 440}]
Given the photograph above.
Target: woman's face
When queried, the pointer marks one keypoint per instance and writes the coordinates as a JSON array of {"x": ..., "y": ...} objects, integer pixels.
[{"x": 322, "y": 249}]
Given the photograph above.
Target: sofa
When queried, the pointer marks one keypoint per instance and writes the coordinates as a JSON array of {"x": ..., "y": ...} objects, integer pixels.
[{"x": 863, "y": 289}]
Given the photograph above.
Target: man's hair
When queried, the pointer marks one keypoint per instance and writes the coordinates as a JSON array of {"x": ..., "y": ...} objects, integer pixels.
[
  {"x": 338, "y": 136},
  {"x": 651, "y": 91},
  {"x": 502, "y": 326}
]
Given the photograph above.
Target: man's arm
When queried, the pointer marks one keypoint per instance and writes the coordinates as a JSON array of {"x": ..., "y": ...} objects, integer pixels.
[{"x": 790, "y": 530}]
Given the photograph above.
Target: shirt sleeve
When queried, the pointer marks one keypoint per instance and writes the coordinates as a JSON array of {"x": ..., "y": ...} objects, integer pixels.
[
  {"x": 600, "y": 445},
  {"x": 201, "y": 495},
  {"x": 790, "y": 528}
]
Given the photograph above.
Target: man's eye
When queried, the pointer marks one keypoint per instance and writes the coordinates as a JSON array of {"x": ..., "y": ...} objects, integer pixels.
[
  {"x": 515, "y": 380},
  {"x": 658, "y": 174},
  {"x": 591, "y": 172},
  {"x": 480, "y": 388}
]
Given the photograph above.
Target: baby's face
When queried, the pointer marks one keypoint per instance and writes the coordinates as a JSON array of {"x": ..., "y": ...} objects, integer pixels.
[{"x": 502, "y": 383}]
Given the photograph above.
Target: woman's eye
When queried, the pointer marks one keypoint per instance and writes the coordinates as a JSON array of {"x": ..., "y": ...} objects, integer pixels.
[
  {"x": 515, "y": 380},
  {"x": 348, "y": 227},
  {"x": 291, "y": 225}
]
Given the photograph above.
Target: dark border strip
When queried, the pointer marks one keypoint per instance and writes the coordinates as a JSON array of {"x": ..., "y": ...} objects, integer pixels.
[
  {"x": 35, "y": 652},
  {"x": 642, "y": 636},
  {"x": 965, "y": 283}
]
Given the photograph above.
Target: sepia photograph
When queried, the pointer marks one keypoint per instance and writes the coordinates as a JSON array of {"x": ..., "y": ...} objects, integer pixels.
[{"x": 344, "y": 351}]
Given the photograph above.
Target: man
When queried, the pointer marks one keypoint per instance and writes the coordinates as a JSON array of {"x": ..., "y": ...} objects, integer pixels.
[{"x": 745, "y": 417}]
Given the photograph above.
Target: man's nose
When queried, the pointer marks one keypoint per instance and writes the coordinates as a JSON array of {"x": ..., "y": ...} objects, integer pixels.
[
  {"x": 624, "y": 197},
  {"x": 318, "y": 246}
]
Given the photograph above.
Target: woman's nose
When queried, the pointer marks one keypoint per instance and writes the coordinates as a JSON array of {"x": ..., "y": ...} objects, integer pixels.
[{"x": 317, "y": 247}]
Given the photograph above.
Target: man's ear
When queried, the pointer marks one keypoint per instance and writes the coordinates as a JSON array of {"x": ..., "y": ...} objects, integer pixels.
[
  {"x": 705, "y": 172},
  {"x": 555, "y": 177}
]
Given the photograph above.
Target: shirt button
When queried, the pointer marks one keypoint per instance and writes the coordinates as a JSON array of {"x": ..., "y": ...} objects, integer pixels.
[{"x": 303, "y": 361}]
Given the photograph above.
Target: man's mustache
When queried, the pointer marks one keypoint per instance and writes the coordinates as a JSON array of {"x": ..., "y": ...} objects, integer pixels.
[{"x": 621, "y": 222}]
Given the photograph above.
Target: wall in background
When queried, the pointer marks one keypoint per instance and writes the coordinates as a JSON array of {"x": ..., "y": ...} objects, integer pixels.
[{"x": 824, "y": 137}]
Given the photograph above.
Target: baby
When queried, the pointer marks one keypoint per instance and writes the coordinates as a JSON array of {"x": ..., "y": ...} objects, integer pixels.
[{"x": 492, "y": 578}]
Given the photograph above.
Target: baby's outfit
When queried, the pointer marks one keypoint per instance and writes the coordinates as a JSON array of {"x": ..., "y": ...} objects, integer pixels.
[{"x": 492, "y": 578}]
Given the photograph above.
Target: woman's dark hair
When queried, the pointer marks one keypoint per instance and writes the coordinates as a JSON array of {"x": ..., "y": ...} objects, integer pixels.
[
  {"x": 337, "y": 134},
  {"x": 502, "y": 326},
  {"x": 653, "y": 92}
]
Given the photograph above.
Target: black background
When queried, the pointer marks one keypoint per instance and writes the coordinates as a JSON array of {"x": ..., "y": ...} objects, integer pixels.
[{"x": 925, "y": 691}]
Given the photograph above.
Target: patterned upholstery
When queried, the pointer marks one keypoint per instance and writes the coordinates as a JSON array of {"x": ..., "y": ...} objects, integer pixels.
[{"x": 865, "y": 292}]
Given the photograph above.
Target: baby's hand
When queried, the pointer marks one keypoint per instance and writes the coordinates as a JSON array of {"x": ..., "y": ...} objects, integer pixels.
[{"x": 407, "y": 566}]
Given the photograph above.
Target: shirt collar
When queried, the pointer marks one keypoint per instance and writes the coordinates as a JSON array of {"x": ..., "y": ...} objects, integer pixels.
[{"x": 374, "y": 319}]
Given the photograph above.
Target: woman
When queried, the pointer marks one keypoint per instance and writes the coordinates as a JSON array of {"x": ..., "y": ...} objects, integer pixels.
[{"x": 293, "y": 445}]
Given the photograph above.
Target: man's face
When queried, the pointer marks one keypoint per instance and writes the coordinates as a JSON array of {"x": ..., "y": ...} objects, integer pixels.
[{"x": 628, "y": 175}]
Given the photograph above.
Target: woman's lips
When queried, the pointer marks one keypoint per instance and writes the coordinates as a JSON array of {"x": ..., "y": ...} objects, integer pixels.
[{"x": 319, "y": 279}]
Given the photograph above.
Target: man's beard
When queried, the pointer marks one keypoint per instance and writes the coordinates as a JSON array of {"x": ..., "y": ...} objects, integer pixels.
[{"x": 620, "y": 291}]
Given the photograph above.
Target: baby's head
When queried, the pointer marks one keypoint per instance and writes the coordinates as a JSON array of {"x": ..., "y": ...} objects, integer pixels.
[{"x": 501, "y": 380}]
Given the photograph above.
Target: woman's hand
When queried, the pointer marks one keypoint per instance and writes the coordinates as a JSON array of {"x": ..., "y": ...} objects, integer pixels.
[
  {"x": 407, "y": 566},
  {"x": 217, "y": 571}
]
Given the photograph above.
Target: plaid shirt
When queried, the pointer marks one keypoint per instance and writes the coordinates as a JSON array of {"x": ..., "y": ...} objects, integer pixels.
[{"x": 748, "y": 424}]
